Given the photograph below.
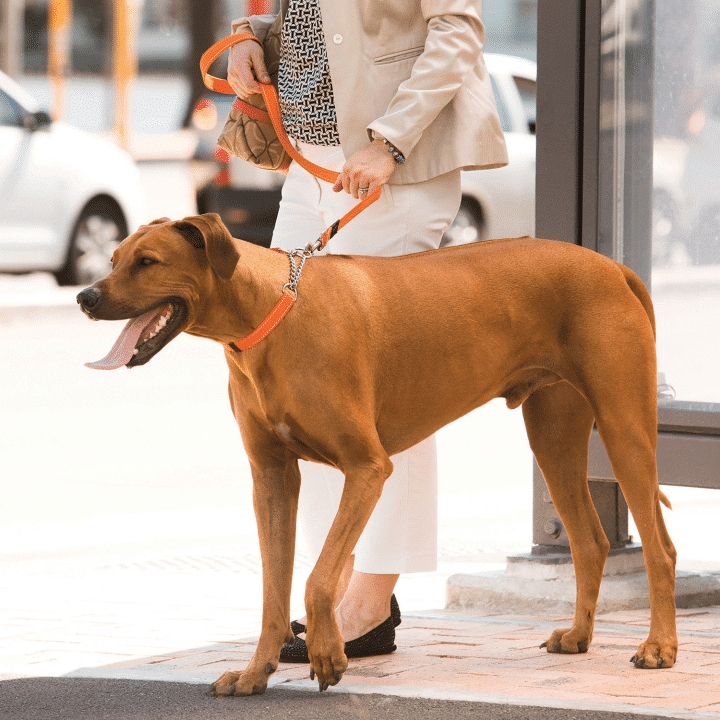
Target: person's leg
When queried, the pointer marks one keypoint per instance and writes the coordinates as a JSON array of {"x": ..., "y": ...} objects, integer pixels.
[
  {"x": 299, "y": 222},
  {"x": 365, "y": 604},
  {"x": 401, "y": 535}
]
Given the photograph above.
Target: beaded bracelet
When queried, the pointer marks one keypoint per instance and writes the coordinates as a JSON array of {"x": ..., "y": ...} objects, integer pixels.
[{"x": 397, "y": 155}]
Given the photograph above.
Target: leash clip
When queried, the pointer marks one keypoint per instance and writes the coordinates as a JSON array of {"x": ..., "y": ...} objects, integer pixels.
[{"x": 312, "y": 247}]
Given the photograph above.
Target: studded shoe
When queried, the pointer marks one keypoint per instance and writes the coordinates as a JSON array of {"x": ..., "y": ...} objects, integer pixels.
[
  {"x": 298, "y": 627},
  {"x": 378, "y": 641}
]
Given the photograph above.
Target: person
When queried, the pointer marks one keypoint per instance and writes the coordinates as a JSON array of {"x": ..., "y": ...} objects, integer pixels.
[{"x": 392, "y": 94}]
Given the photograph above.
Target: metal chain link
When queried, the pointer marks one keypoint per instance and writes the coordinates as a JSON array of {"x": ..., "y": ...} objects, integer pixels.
[{"x": 296, "y": 270}]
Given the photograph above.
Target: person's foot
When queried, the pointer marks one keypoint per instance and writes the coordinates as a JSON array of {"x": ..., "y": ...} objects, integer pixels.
[
  {"x": 380, "y": 640},
  {"x": 298, "y": 626}
]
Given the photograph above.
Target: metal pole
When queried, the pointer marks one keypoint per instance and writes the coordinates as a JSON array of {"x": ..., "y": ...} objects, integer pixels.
[
  {"x": 124, "y": 65},
  {"x": 568, "y": 209},
  {"x": 59, "y": 26}
]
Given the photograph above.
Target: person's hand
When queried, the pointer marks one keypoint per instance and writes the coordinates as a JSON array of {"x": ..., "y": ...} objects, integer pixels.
[
  {"x": 366, "y": 170},
  {"x": 246, "y": 69}
]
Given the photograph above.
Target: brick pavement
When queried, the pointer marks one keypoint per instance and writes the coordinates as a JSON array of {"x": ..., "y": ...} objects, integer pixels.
[
  {"x": 155, "y": 619},
  {"x": 496, "y": 659}
]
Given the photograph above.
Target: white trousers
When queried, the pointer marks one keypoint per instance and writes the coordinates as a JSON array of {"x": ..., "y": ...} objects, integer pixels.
[{"x": 401, "y": 535}]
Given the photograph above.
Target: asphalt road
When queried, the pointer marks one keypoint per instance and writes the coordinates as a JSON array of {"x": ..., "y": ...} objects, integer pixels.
[{"x": 76, "y": 699}]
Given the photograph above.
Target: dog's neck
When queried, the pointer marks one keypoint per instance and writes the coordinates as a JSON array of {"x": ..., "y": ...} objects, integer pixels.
[{"x": 247, "y": 297}]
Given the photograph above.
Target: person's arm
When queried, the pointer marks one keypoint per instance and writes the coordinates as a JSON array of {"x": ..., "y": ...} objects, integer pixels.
[
  {"x": 452, "y": 48},
  {"x": 258, "y": 25}
]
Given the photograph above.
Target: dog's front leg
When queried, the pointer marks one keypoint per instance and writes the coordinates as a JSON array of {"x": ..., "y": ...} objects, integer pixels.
[
  {"x": 362, "y": 490},
  {"x": 275, "y": 497}
]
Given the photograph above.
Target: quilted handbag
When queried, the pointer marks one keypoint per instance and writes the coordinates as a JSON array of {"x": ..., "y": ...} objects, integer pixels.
[{"x": 249, "y": 133}]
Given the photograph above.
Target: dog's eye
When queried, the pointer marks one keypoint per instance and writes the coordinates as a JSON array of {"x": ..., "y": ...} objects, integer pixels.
[{"x": 145, "y": 261}]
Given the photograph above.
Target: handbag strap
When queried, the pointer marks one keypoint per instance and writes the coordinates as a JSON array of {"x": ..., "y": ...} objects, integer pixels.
[{"x": 273, "y": 117}]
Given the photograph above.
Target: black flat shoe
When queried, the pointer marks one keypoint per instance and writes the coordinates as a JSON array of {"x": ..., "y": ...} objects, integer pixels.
[
  {"x": 378, "y": 641},
  {"x": 298, "y": 627}
]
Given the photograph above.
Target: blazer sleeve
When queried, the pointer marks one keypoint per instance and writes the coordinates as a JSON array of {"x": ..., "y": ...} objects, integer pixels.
[
  {"x": 258, "y": 25},
  {"x": 453, "y": 46}
]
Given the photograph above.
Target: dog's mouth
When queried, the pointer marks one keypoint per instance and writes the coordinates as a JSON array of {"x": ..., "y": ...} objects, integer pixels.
[{"x": 144, "y": 336}]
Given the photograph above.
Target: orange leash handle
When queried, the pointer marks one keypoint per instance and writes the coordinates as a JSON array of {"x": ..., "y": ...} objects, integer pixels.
[
  {"x": 272, "y": 117},
  {"x": 213, "y": 53}
]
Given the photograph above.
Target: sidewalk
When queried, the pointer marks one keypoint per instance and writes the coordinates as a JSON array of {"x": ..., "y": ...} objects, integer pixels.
[
  {"x": 190, "y": 617},
  {"x": 452, "y": 656}
]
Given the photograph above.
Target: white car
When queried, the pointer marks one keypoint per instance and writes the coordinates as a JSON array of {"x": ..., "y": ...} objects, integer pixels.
[
  {"x": 501, "y": 203},
  {"x": 496, "y": 203},
  {"x": 67, "y": 198}
]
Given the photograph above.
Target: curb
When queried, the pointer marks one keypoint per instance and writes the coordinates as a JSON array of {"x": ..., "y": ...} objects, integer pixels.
[{"x": 396, "y": 691}]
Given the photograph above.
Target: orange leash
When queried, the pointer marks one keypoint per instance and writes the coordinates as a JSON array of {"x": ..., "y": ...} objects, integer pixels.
[{"x": 273, "y": 117}]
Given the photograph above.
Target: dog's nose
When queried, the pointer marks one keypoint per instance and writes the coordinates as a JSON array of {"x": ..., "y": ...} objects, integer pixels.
[{"x": 88, "y": 298}]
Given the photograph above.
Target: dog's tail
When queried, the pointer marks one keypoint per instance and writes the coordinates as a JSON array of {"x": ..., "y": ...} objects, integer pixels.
[
  {"x": 641, "y": 293},
  {"x": 664, "y": 500}
]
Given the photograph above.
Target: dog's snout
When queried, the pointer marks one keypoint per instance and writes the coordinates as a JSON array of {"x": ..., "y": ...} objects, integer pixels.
[{"x": 88, "y": 298}]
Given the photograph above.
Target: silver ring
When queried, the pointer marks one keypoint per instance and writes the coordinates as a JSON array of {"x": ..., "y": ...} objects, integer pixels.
[{"x": 364, "y": 190}]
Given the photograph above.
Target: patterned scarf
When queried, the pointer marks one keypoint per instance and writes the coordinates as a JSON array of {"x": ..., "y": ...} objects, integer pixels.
[{"x": 305, "y": 87}]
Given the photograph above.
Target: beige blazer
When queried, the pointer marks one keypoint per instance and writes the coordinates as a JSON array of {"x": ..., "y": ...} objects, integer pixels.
[{"x": 413, "y": 71}]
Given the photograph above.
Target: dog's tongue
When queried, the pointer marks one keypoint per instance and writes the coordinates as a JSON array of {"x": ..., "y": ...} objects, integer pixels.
[{"x": 122, "y": 350}]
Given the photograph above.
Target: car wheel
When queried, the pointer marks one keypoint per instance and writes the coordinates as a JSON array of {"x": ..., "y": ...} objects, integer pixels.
[
  {"x": 99, "y": 230},
  {"x": 468, "y": 225},
  {"x": 704, "y": 244}
]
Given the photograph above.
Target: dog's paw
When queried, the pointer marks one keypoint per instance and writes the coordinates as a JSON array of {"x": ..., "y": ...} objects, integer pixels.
[
  {"x": 322, "y": 686},
  {"x": 652, "y": 656},
  {"x": 237, "y": 683},
  {"x": 564, "y": 641},
  {"x": 327, "y": 671}
]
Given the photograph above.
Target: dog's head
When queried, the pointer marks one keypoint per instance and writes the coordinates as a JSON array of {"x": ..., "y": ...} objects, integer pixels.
[{"x": 158, "y": 274}]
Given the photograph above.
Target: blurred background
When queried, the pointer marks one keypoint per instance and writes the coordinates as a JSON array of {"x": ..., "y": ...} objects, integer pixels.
[
  {"x": 127, "y": 71},
  {"x": 113, "y": 483}
]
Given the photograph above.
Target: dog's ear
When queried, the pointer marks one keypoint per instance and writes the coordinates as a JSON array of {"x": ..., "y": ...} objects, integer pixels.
[
  {"x": 208, "y": 232},
  {"x": 149, "y": 226}
]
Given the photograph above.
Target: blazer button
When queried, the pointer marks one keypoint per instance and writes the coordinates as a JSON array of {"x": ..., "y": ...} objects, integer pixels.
[{"x": 337, "y": 39}]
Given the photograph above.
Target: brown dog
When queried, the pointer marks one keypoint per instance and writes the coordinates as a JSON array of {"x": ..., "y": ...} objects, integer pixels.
[{"x": 377, "y": 354}]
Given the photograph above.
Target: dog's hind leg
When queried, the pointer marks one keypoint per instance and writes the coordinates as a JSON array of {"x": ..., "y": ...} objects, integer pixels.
[
  {"x": 559, "y": 422},
  {"x": 616, "y": 359},
  {"x": 631, "y": 442}
]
